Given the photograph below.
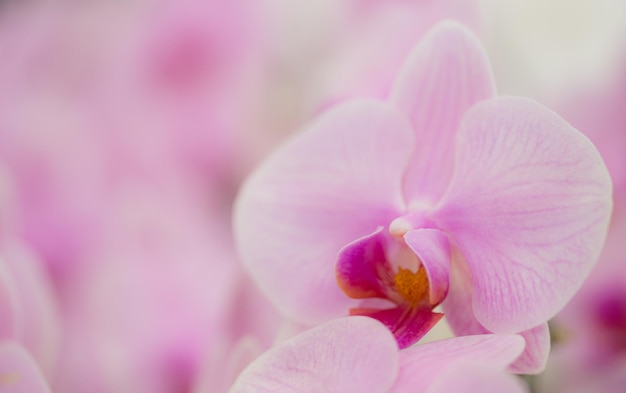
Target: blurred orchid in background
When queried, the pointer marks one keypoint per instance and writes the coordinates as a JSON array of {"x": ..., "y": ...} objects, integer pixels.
[
  {"x": 19, "y": 371},
  {"x": 405, "y": 194}
]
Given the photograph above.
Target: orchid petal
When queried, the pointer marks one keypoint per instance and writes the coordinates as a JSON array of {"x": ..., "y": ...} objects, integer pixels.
[
  {"x": 476, "y": 378},
  {"x": 328, "y": 186},
  {"x": 350, "y": 354},
  {"x": 421, "y": 365},
  {"x": 528, "y": 207},
  {"x": 446, "y": 74},
  {"x": 432, "y": 248},
  {"x": 18, "y": 371}
]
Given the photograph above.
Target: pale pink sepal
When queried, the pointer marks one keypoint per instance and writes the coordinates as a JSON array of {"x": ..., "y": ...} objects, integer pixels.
[
  {"x": 447, "y": 73},
  {"x": 18, "y": 371},
  {"x": 353, "y": 354},
  {"x": 421, "y": 365},
  {"x": 432, "y": 248},
  {"x": 471, "y": 377},
  {"x": 528, "y": 207},
  {"x": 331, "y": 184}
]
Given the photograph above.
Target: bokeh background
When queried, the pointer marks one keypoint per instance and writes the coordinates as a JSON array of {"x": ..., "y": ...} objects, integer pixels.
[{"x": 127, "y": 126}]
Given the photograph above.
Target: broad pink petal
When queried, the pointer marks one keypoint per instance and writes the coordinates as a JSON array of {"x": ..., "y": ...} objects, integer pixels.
[
  {"x": 18, "y": 371},
  {"x": 433, "y": 249},
  {"x": 446, "y": 74},
  {"x": 351, "y": 354},
  {"x": 331, "y": 184},
  {"x": 407, "y": 326},
  {"x": 421, "y": 365},
  {"x": 470, "y": 377},
  {"x": 528, "y": 207},
  {"x": 360, "y": 266}
]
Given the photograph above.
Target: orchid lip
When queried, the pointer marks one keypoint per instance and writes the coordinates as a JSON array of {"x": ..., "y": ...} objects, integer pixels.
[{"x": 365, "y": 271}]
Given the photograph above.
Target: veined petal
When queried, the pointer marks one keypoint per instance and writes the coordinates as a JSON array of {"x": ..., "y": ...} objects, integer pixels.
[
  {"x": 421, "y": 365},
  {"x": 433, "y": 249},
  {"x": 351, "y": 354},
  {"x": 476, "y": 378},
  {"x": 18, "y": 371},
  {"x": 528, "y": 207},
  {"x": 331, "y": 184},
  {"x": 447, "y": 73}
]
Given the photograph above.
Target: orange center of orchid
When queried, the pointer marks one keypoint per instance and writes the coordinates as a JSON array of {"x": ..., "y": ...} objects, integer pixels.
[{"x": 412, "y": 286}]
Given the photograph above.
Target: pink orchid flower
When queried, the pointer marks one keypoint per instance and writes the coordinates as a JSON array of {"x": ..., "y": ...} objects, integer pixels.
[
  {"x": 493, "y": 207},
  {"x": 18, "y": 371},
  {"x": 360, "y": 355}
]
